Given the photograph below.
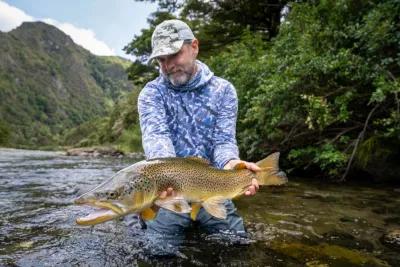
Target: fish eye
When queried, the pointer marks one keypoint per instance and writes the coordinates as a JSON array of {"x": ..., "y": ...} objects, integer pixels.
[{"x": 112, "y": 194}]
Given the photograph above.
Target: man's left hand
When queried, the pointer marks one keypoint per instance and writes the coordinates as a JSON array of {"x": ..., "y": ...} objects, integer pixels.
[{"x": 252, "y": 189}]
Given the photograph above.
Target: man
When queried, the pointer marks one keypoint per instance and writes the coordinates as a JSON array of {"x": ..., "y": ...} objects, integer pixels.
[{"x": 187, "y": 111}]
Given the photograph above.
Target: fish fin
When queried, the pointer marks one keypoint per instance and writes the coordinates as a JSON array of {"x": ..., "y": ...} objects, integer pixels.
[
  {"x": 270, "y": 173},
  {"x": 270, "y": 162},
  {"x": 148, "y": 214},
  {"x": 240, "y": 166},
  {"x": 176, "y": 204},
  {"x": 195, "y": 210},
  {"x": 215, "y": 206},
  {"x": 199, "y": 160}
]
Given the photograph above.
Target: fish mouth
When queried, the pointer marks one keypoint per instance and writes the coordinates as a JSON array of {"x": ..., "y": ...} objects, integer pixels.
[
  {"x": 100, "y": 204},
  {"x": 105, "y": 211},
  {"x": 96, "y": 217}
]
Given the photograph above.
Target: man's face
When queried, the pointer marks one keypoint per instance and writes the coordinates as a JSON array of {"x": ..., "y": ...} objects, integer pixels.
[{"x": 180, "y": 67}]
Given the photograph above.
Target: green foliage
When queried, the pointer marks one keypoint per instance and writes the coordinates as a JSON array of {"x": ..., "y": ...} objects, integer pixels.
[
  {"x": 327, "y": 157},
  {"x": 130, "y": 139},
  {"x": 123, "y": 116},
  {"x": 140, "y": 73},
  {"x": 49, "y": 85},
  {"x": 120, "y": 127},
  {"x": 215, "y": 23},
  {"x": 5, "y": 133},
  {"x": 309, "y": 92},
  {"x": 140, "y": 46},
  {"x": 319, "y": 86},
  {"x": 326, "y": 85},
  {"x": 110, "y": 74},
  {"x": 86, "y": 134}
]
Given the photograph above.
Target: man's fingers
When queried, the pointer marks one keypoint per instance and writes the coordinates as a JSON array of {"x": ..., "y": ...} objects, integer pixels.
[
  {"x": 254, "y": 182},
  {"x": 252, "y": 166},
  {"x": 250, "y": 191},
  {"x": 168, "y": 193},
  {"x": 249, "y": 165},
  {"x": 171, "y": 192},
  {"x": 163, "y": 194}
]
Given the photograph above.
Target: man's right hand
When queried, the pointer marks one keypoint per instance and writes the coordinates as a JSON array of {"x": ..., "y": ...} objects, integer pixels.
[{"x": 168, "y": 193}]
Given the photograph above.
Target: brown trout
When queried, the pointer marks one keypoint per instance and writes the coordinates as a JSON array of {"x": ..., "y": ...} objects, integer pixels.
[{"x": 136, "y": 188}]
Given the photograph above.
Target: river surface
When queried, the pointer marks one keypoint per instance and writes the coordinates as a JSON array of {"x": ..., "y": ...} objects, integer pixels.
[{"x": 302, "y": 224}]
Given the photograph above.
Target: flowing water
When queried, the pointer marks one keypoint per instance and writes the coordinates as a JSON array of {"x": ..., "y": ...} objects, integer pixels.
[{"x": 302, "y": 224}]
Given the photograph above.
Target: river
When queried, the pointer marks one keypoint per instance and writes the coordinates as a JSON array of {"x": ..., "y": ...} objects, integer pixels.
[{"x": 305, "y": 223}]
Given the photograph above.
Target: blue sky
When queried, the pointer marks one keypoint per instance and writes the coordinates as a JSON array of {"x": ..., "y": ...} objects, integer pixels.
[{"x": 102, "y": 26}]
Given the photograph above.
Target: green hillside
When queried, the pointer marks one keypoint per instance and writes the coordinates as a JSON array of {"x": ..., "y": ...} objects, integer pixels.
[{"x": 48, "y": 84}]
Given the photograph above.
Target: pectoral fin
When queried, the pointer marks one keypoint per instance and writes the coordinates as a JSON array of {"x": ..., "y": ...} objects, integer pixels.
[
  {"x": 195, "y": 210},
  {"x": 215, "y": 206},
  {"x": 178, "y": 205},
  {"x": 148, "y": 214}
]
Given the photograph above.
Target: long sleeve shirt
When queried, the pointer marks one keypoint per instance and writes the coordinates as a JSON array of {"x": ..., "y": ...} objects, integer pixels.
[{"x": 197, "y": 119}]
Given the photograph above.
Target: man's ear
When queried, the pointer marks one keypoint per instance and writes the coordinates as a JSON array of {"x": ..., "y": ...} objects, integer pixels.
[{"x": 195, "y": 46}]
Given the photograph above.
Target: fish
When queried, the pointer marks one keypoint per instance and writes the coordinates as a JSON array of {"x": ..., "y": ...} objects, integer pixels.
[{"x": 136, "y": 189}]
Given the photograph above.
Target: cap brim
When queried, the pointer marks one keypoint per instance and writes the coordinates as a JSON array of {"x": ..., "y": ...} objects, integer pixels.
[{"x": 165, "y": 50}]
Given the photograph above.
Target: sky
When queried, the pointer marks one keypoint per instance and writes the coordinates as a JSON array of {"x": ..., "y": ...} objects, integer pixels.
[{"x": 103, "y": 27}]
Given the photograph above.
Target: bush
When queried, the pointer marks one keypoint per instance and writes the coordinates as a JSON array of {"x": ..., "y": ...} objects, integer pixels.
[{"x": 328, "y": 82}]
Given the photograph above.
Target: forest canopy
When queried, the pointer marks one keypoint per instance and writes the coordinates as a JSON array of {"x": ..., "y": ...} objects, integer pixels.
[{"x": 316, "y": 80}]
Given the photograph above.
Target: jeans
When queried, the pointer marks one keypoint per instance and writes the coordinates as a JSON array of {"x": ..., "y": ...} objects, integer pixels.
[{"x": 167, "y": 230}]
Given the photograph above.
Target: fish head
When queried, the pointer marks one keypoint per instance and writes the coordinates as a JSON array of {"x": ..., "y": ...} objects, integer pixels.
[{"x": 115, "y": 197}]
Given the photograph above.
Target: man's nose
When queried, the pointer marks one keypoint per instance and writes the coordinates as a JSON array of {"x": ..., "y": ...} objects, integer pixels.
[{"x": 168, "y": 64}]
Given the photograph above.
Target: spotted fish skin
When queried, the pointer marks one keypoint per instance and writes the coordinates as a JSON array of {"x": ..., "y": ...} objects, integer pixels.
[
  {"x": 138, "y": 186},
  {"x": 196, "y": 180}
]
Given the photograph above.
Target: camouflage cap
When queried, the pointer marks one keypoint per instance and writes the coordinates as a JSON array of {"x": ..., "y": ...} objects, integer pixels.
[{"x": 168, "y": 37}]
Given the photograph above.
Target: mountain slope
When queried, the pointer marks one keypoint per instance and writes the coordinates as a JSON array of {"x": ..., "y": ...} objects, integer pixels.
[{"x": 49, "y": 84}]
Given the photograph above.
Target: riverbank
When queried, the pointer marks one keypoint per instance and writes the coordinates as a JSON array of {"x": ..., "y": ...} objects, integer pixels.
[
  {"x": 102, "y": 151},
  {"x": 93, "y": 152}
]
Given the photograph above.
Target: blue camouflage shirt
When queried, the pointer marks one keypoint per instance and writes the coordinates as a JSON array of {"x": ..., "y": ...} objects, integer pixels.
[{"x": 196, "y": 119}]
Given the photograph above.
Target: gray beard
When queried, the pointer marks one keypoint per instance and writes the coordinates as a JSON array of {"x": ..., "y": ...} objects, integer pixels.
[{"x": 180, "y": 80}]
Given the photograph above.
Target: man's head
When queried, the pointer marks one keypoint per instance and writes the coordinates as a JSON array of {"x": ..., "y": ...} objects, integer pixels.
[{"x": 175, "y": 48}]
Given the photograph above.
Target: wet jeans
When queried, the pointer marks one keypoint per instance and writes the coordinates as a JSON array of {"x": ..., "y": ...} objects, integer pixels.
[{"x": 166, "y": 232}]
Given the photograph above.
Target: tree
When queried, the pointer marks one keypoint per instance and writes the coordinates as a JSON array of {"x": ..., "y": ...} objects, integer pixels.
[{"x": 5, "y": 134}]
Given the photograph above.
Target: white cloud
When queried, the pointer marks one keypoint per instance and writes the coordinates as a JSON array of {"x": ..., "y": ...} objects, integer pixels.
[
  {"x": 83, "y": 37},
  {"x": 11, "y": 17}
]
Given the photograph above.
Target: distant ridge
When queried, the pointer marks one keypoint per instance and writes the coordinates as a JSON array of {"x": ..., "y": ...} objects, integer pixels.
[{"x": 49, "y": 84}]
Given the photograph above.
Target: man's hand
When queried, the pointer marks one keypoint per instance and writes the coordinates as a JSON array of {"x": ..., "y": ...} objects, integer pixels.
[
  {"x": 252, "y": 189},
  {"x": 169, "y": 193}
]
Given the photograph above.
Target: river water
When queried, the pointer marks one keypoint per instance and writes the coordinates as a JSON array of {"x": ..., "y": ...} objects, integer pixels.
[{"x": 302, "y": 224}]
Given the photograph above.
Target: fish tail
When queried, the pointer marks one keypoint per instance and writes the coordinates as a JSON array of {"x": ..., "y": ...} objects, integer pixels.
[{"x": 270, "y": 173}]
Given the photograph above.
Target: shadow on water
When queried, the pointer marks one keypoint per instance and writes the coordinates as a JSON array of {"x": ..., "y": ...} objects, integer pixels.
[{"x": 301, "y": 224}]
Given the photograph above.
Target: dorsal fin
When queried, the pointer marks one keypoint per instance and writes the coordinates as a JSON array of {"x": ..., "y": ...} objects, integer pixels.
[{"x": 199, "y": 160}]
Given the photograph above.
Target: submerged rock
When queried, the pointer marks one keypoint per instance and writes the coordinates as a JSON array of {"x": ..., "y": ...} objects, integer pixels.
[
  {"x": 325, "y": 254},
  {"x": 392, "y": 239}
]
